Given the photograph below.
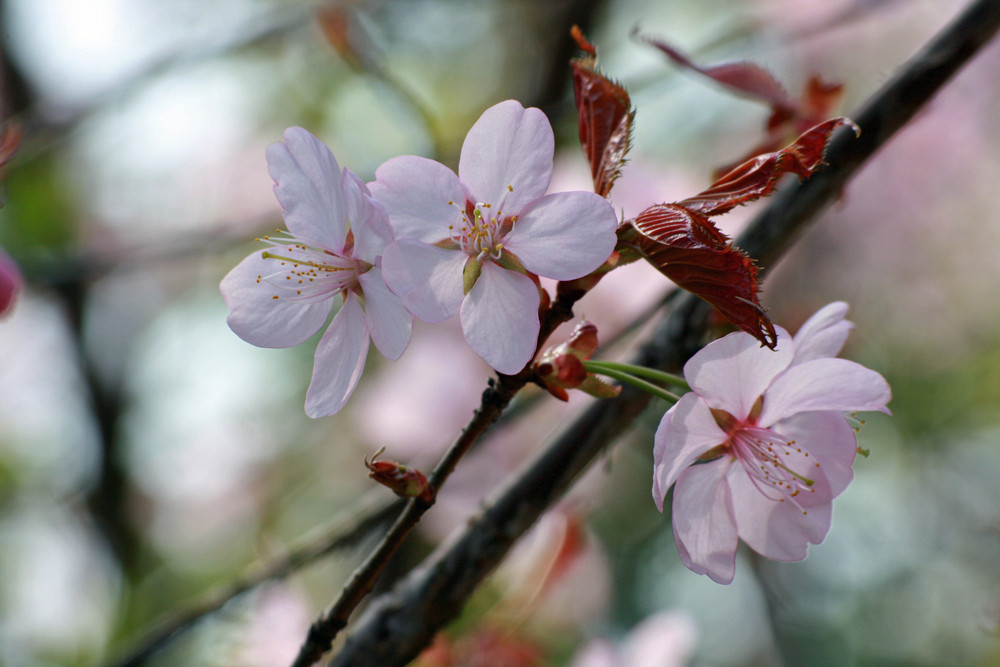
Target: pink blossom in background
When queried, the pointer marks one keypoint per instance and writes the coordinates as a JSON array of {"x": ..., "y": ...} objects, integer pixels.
[
  {"x": 280, "y": 296},
  {"x": 11, "y": 282},
  {"x": 760, "y": 447},
  {"x": 666, "y": 639},
  {"x": 471, "y": 243}
]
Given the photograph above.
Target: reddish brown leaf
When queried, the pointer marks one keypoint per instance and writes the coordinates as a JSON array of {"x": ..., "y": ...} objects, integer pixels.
[
  {"x": 745, "y": 78},
  {"x": 758, "y": 176},
  {"x": 686, "y": 247},
  {"x": 605, "y": 117},
  {"x": 817, "y": 104},
  {"x": 681, "y": 241}
]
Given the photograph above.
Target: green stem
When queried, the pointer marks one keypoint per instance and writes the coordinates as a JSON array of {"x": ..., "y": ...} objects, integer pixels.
[
  {"x": 640, "y": 371},
  {"x": 638, "y": 383}
]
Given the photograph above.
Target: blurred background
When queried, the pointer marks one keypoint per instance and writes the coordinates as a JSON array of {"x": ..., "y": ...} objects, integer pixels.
[{"x": 148, "y": 455}]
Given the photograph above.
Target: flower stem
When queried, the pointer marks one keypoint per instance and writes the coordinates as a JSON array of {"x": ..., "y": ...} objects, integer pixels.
[
  {"x": 639, "y": 371},
  {"x": 628, "y": 378}
]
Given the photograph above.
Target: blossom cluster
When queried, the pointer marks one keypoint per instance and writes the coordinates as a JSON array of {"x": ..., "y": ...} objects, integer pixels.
[
  {"x": 756, "y": 451},
  {"x": 419, "y": 241}
]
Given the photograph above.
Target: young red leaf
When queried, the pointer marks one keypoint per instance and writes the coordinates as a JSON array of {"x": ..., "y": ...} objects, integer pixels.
[
  {"x": 758, "y": 176},
  {"x": 745, "y": 78},
  {"x": 606, "y": 116},
  {"x": 818, "y": 102},
  {"x": 687, "y": 248}
]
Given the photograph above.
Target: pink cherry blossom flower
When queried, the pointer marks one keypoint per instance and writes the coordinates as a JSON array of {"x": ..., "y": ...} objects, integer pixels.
[
  {"x": 282, "y": 295},
  {"x": 666, "y": 639},
  {"x": 473, "y": 243},
  {"x": 761, "y": 446}
]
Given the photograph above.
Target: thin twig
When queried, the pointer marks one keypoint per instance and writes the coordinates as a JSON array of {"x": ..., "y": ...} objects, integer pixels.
[
  {"x": 343, "y": 534},
  {"x": 495, "y": 399},
  {"x": 397, "y": 625}
]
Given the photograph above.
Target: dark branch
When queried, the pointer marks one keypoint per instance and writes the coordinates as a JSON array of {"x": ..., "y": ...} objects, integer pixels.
[
  {"x": 342, "y": 535},
  {"x": 399, "y": 624}
]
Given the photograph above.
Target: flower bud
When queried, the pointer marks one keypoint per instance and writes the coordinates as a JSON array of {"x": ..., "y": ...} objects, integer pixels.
[
  {"x": 405, "y": 482},
  {"x": 561, "y": 367}
]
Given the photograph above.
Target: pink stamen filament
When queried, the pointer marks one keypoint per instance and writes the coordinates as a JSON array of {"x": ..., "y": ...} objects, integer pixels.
[
  {"x": 315, "y": 275},
  {"x": 481, "y": 235},
  {"x": 759, "y": 450}
]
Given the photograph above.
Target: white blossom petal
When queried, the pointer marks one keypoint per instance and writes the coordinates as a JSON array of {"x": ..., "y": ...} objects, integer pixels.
[
  {"x": 307, "y": 183},
  {"x": 416, "y": 193},
  {"x": 732, "y": 373},
  {"x": 258, "y": 317},
  {"x": 429, "y": 279},
  {"x": 823, "y": 334},
  {"x": 687, "y": 431},
  {"x": 703, "y": 520},
  {"x": 824, "y": 384},
  {"x": 830, "y": 439},
  {"x": 340, "y": 359},
  {"x": 389, "y": 323},
  {"x": 507, "y": 156},
  {"x": 367, "y": 219},
  {"x": 564, "y": 236},
  {"x": 500, "y": 318},
  {"x": 778, "y": 528}
]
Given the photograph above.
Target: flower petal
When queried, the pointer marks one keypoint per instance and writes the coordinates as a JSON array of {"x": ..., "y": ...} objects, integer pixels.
[
  {"x": 367, "y": 219},
  {"x": 823, "y": 334},
  {"x": 687, "y": 431},
  {"x": 416, "y": 193},
  {"x": 429, "y": 279},
  {"x": 500, "y": 318},
  {"x": 258, "y": 317},
  {"x": 781, "y": 529},
  {"x": 824, "y": 384},
  {"x": 703, "y": 520},
  {"x": 340, "y": 359},
  {"x": 389, "y": 323},
  {"x": 829, "y": 438},
  {"x": 307, "y": 183},
  {"x": 507, "y": 156},
  {"x": 564, "y": 236},
  {"x": 731, "y": 373}
]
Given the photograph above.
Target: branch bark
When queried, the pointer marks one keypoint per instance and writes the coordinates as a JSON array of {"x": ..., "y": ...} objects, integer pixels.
[{"x": 399, "y": 624}]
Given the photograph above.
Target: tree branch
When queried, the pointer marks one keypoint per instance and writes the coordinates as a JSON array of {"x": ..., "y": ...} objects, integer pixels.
[
  {"x": 341, "y": 535},
  {"x": 399, "y": 624}
]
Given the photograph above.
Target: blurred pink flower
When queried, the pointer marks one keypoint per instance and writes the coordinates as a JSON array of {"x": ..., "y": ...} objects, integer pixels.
[
  {"x": 11, "y": 282},
  {"x": 471, "y": 243},
  {"x": 771, "y": 444},
  {"x": 666, "y": 639},
  {"x": 280, "y": 296}
]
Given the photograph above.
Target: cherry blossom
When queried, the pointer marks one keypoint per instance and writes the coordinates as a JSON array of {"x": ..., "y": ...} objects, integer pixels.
[
  {"x": 761, "y": 446},
  {"x": 474, "y": 243},
  {"x": 282, "y": 295}
]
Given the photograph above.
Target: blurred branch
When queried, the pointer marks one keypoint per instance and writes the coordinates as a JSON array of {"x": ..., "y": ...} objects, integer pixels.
[
  {"x": 399, "y": 624},
  {"x": 343, "y": 534},
  {"x": 45, "y": 131}
]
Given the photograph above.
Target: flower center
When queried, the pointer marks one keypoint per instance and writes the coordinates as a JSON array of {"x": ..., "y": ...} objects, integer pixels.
[
  {"x": 307, "y": 272},
  {"x": 482, "y": 228},
  {"x": 774, "y": 463}
]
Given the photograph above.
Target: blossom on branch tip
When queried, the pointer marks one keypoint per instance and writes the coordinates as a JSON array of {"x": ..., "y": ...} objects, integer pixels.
[
  {"x": 474, "y": 243},
  {"x": 760, "y": 447},
  {"x": 282, "y": 295}
]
